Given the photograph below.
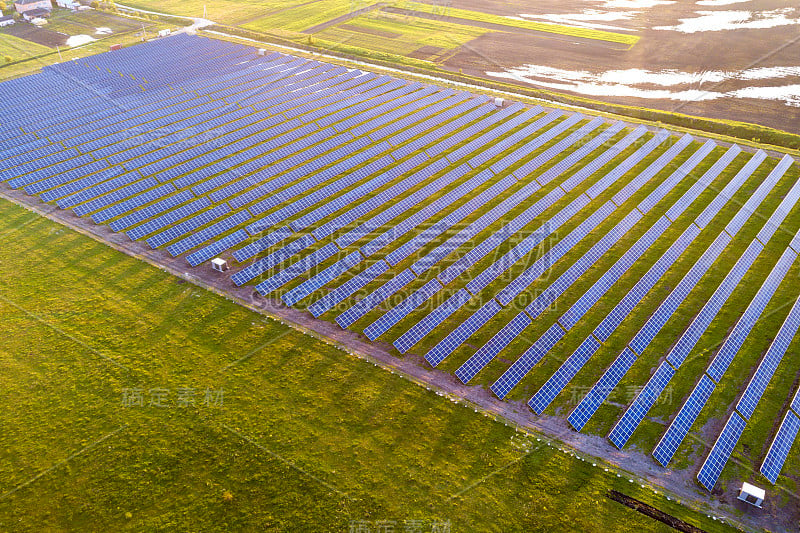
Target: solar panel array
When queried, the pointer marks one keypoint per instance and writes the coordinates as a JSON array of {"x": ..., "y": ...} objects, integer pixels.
[{"x": 431, "y": 219}]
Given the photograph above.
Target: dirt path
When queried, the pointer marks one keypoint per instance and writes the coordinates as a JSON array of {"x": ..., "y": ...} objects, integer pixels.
[{"x": 344, "y": 18}]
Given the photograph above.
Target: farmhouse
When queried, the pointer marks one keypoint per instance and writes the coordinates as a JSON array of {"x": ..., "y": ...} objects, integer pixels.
[
  {"x": 38, "y": 13},
  {"x": 24, "y": 6}
]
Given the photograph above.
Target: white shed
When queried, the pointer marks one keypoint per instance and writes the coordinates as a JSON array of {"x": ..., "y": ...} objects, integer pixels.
[
  {"x": 219, "y": 264},
  {"x": 752, "y": 494}
]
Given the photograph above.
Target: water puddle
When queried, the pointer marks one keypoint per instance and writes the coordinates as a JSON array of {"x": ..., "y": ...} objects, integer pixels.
[
  {"x": 659, "y": 85},
  {"x": 735, "y": 20}
]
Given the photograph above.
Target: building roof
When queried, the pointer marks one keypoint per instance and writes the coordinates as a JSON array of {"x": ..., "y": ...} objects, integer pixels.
[
  {"x": 26, "y": 2},
  {"x": 7, "y": 17},
  {"x": 32, "y": 13}
]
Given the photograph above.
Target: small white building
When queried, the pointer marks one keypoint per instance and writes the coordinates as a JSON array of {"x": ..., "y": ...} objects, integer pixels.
[
  {"x": 752, "y": 494},
  {"x": 8, "y": 20},
  {"x": 67, "y": 4},
  {"x": 219, "y": 264}
]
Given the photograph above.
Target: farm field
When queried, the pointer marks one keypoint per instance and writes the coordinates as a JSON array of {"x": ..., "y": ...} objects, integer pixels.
[
  {"x": 72, "y": 34},
  {"x": 548, "y": 259},
  {"x": 14, "y": 48}
]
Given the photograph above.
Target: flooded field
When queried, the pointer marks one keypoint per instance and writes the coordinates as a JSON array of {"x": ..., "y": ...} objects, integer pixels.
[{"x": 731, "y": 59}]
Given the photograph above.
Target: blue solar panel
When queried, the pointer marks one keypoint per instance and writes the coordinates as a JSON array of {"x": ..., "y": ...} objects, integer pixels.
[
  {"x": 529, "y": 243},
  {"x": 745, "y": 324},
  {"x": 726, "y": 442},
  {"x": 643, "y": 177},
  {"x": 544, "y": 263},
  {"x": 492, "y": 150},
  {"x": 114, "y": 196},
  {"x": 78, "y": 182},
  {"x": 422, "y": 328},
  {"x": 597, "y": 163},
  {"x": 620, "y": 311},
  {"x": 198, "y": 238},
  {"x": 610, "y": 277},
  {"x": 657, "y": 321},
  {"x": 465, "y": 330},
  {"x": 780, "y": 447},
  {"x": 796, "y": 402},
  {"x": 530, "y": 146},
  {"x": 150, "y": 211},
  {"x": 443, "y": 224},
  {"x": 397, "y": 313},
  {"x": 755, "y": 199},
  {"x": 676, "y": 177},
  {"x": 769, "y": 364},
  {"x": 701, "y": 322},
  {"x": 638, "y": 409},
  {"x": 465, "y": 235},
  {"x": 317, "y": 282},
  {"x": 215, "y": 248},
  {"x": 496, "y": 344},
  {"x": 601, "y": 390},
  {"x": 475, "y": 254},
  {"x": 201, "y": 219},
  {"x": 167, "y": 218},
  {"x": 132, "y": 203},
  {"x": 297, "y": 268},
  {"x": 347, "y": 289},
  {"x": 780, "y": 213},
  {"x": 568, "y": 369},
  {"x": 261, "y": 244},
  {"x": 683, "y": 421},
  {"x": 425, "y": 194},
  {"x": 369, "y": 302},
  {"x": 272, "y": 260},
  {"x": 544, "y": 300},
  {"x": 701, "y": 184},
  {"x": 725, "y": 195},
  {"x": 527, "y": 361}
]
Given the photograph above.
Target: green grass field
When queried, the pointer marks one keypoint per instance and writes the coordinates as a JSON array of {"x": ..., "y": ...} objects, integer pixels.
[
  {"x": 397, "y": 34},
  {"x": 15, "y": 48},
  {"x": 302, "y": 437}
]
